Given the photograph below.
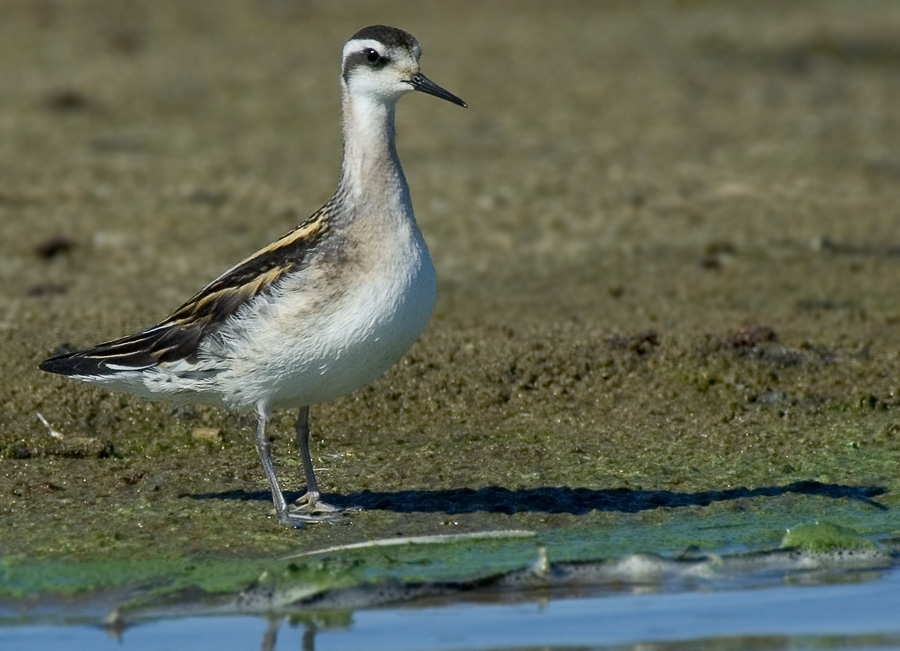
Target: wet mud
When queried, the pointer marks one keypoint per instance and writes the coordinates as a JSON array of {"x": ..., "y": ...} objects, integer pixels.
[{"x": 666, "y": 237}]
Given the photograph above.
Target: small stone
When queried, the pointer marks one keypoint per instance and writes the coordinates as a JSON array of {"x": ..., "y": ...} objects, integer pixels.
[
  {"x": 54, "y": 246},
  {"x": 66, "y": 99},
  {"x": 751, "y": 334},
  {"x": 211, "y": 435},
  {"x": 72, "y": 447}
]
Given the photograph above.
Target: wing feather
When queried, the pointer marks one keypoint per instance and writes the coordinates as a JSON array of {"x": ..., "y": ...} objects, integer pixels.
[{"x": 178, "y": 337}]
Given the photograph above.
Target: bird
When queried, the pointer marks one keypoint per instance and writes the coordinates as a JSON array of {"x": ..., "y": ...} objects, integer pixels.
[{"x": 320, "y": 312}]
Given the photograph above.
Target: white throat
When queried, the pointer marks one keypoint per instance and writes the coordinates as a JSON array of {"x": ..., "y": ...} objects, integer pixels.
[{"x": 371, "y": 170}]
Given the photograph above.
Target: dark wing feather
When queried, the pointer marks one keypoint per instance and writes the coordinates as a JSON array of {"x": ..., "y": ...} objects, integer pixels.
[{"x": 178, "y": 337}]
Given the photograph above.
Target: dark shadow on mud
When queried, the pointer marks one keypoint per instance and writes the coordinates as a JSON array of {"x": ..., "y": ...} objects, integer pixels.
[{"x": 576, "y": 501}]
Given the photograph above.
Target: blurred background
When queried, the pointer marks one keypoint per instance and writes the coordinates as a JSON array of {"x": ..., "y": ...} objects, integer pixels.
[{"x": 666, "y": 236}]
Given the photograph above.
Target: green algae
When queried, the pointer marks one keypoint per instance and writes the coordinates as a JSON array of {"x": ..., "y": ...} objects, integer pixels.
[
  {"x": 304, "y": 576},
  {"x": 22, "y": 578},
  {"x": 749, "y": 527},
  {"x": 825, "y": 537}
]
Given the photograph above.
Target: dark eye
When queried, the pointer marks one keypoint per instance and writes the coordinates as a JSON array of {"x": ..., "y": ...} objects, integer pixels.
[{"x": 372, "y": 56}]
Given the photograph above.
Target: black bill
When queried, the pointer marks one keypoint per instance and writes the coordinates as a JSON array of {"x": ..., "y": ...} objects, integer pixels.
[{"x": 424, "y": 84}]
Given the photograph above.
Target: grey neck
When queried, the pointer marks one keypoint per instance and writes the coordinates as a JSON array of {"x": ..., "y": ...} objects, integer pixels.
[{"x": 371, "y": 176}]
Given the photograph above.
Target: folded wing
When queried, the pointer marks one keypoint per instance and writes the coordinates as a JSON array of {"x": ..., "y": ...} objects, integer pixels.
[{"x": 178, "y": 337}]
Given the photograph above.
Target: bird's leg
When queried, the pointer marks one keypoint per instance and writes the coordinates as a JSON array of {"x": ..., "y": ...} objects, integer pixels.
[
  {"x": 265, "y": 456},
  {"x": 311, "y": 503}
]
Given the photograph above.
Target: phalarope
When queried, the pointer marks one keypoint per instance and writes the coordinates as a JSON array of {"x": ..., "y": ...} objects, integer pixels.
[{"x": 320, "y": 312}]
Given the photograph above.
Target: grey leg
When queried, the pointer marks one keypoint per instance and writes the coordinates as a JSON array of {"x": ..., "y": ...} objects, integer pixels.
[
  {"x": 271, "y": 634},
  {"x": 265, "y": 456},
  {"x": 311, "y": 503}
]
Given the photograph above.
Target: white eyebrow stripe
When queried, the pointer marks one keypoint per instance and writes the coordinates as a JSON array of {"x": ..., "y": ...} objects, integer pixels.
[{"x": 359, "y": 44}]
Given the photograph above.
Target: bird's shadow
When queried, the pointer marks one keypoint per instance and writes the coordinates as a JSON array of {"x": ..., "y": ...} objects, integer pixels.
[{"x": 553, "y": 499}]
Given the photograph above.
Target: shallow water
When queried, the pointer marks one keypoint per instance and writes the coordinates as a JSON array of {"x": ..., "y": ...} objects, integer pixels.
[{"x": 848, "y": 615}]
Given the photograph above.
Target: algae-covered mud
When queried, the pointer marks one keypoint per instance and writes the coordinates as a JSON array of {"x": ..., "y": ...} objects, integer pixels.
[
  {"x": 488, "y": 567},
  {"x": 667, "y": 243}
]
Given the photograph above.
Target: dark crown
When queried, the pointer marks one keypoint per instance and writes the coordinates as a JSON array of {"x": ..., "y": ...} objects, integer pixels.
[{"x": 389, "y": 36}]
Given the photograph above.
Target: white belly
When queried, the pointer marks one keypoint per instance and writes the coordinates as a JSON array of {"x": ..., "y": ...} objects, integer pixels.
[{"x": 304, "y": 346}]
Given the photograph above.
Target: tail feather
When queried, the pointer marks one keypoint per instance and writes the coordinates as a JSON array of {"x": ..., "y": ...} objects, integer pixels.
[
  {"x": 134, "y": 353},
  {"x": 84, "y": 363}
]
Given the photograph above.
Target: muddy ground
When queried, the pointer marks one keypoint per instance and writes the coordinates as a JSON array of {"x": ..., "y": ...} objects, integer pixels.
[{"x": 667, "y": 236}]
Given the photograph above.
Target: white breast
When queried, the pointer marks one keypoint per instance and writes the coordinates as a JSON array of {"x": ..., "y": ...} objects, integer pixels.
[{"x": 312, "y": 340}]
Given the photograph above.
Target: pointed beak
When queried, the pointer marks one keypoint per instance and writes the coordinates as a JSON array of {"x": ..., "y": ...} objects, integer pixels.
[{"x": 422, "y": 83}]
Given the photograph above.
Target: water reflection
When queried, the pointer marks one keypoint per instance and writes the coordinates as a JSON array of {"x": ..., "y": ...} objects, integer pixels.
[{"x": 860, "y": 615}]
